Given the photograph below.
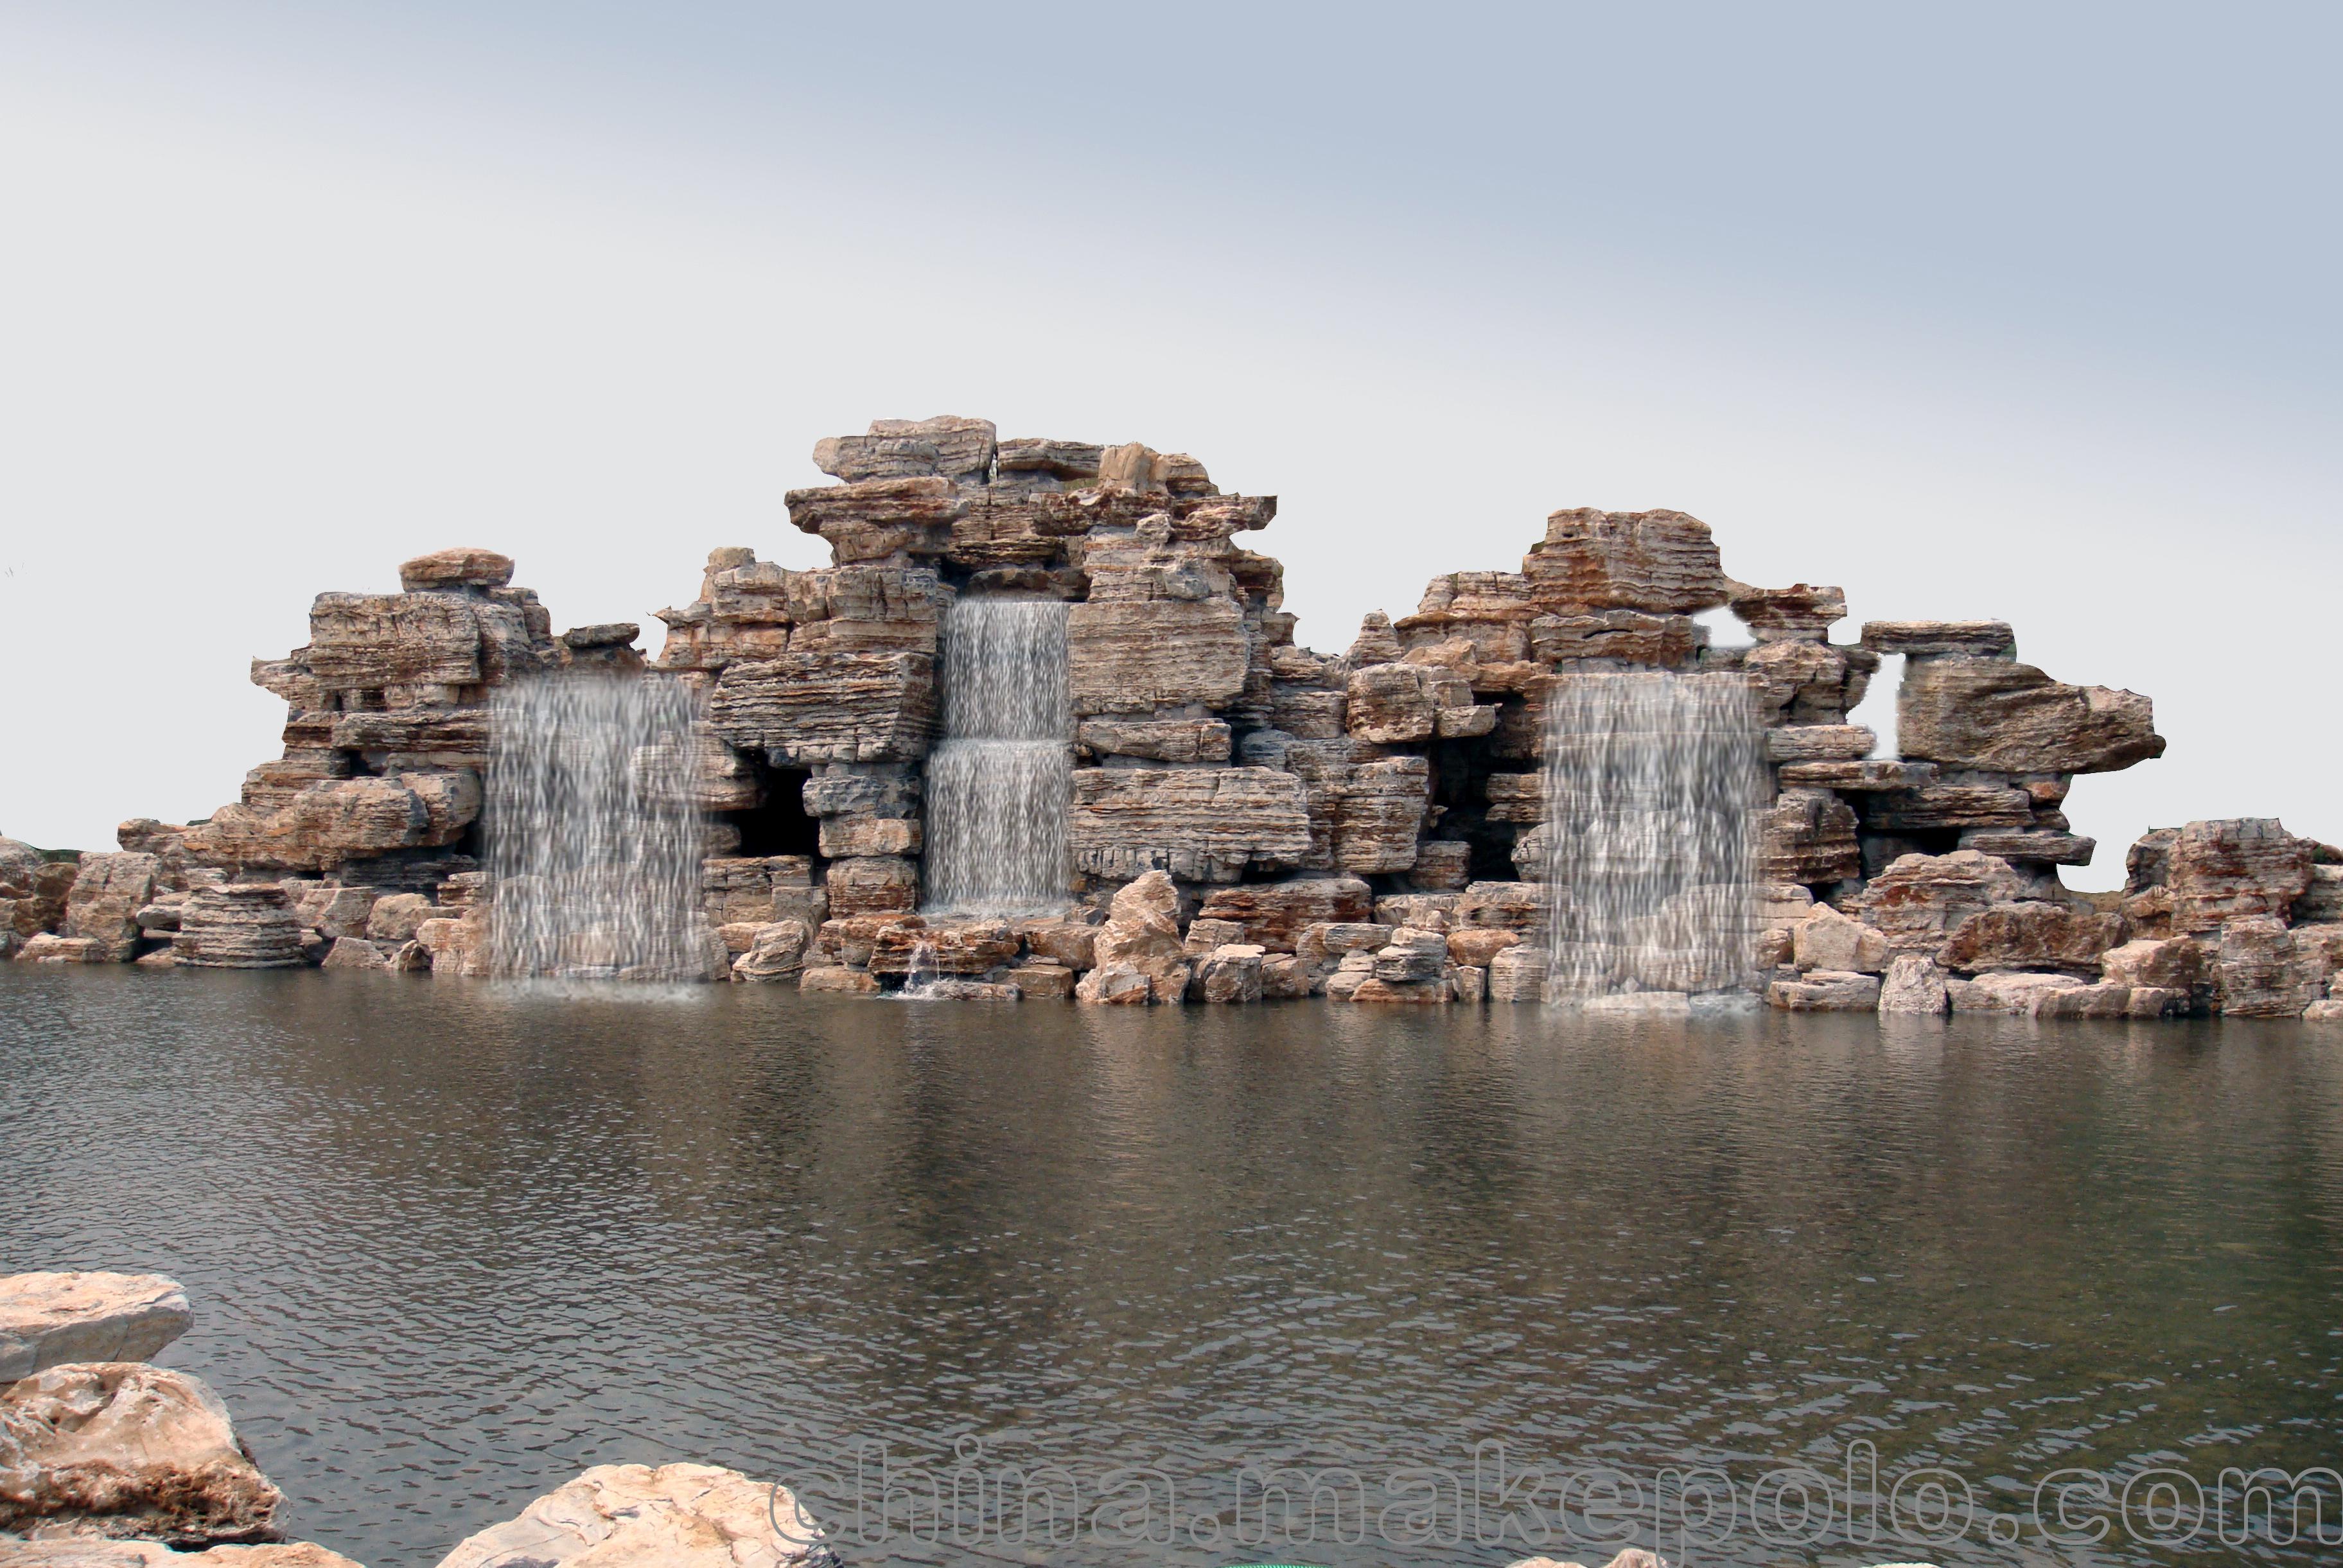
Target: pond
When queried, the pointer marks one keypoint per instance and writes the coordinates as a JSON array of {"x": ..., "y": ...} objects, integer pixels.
[{"x": 1297, "y": 1283}]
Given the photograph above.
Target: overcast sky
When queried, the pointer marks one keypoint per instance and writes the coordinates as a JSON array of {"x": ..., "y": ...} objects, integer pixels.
[{"x": 2022, "y": 311}]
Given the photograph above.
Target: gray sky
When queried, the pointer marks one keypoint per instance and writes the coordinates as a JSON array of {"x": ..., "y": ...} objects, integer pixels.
[{"x": 2013, "y": 311}]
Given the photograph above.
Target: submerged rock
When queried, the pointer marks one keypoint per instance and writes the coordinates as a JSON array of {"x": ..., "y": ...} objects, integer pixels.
[
  {"x": 674, "y": 1515},
  {"x": 124, "y": 1449},
  {"x": 49, "y": 1318}
]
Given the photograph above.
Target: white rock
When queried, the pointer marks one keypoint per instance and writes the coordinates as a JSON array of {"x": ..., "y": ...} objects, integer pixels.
[
  {"x": 49, "y": 1318},
  {"x": 85, "y": 1553},
  {"x": 676, "y": 1516},
  {"x": 1828, "y": 940},
  {"x": 1913, "y": 985}
]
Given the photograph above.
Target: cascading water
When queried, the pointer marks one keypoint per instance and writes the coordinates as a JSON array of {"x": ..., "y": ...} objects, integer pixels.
[
  {"x": 1652, "y": 785},
  {"x": 593, "y": 841},
  {"x": 999, "y": 784}
]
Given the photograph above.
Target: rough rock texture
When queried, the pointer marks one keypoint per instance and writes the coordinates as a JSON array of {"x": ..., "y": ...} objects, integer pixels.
[
  {"x": 1808, "y": 837},
  {"x": 776, "y": 951},
  {"x": 94, "y": 1553},
  {"x": 1138, "y": 954},
  {"x": 1273, "y": 915},
  {"x": 2221, "y": 870},
  {"x": 239, "y": 926},
  {"x": 49, "y": 1318},
  {"x": 1913, "y": 985},
  {"x": 2031, "y": 935},
  {"x": 1659, "y": 561},
  {"x": 1919, "y": 900},
  {"x": 1996, "y": 713},
  {"x": 674, "y": 1515},
  {"x": 103, "y": 904},
  {"x": 829, "y": 707},
  {"x": 124, "y": 1449},
  {"x": 1825, "y": 990},
  {"x": 1828, "y": 940},
  {"x": 1200, "y": 824},
  {"x": 2264, "y": 972}
]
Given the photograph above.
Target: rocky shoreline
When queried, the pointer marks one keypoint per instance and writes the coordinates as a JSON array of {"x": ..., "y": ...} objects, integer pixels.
[
  {"x": 107, "y": 1462},
  {"x": 1251, "y": 820}
]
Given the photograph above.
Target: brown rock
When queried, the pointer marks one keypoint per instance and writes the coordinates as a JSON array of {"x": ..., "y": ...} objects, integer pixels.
[
  {"x": 1071, "y": 943},
  {"x": 124, "y": 1449},
  {"x": 838, "y": 981},
  {"x": 2221, "y": 870},
  {"x": 872, "y": 886},
  {"x": 1913, "y": 986},
  {"x": 1502, "y": 906},
  {"x": 355, "y": 953},
  {"x": 1863, "y": 776},
  {"x": 1136, "y": 656},
  {"x": 1658, "y": 561},
  {"x": 1518, "y": 974},
  {"x": 670, "y": 1516},
  {"x": 1142, "y": 939},
  {"x": 830, "y": 707},
  {"x": 1941, "y": 639},
  {"x": 1934, "y": 807},
  {"x": 1043, "y": 981},
  {"x": 1819, "y": 743},
  {"x": 1155, "y": 740},
  {"x": 1828, "y": 940},
  {"x": 1999, "y": 715},
  {"x": 2008, "y": 992},
  {"x": 1428, "y": 911},
  {"x": 243, "y": 925},
  {"x": 2175, "y": 963},
  {"x": 1440, "y": 866},
  {"x": 2264, "y": 974},
  {"x": 947, "y": 446},
  {"x": 1918, "y": 902},
  {"x": 395, "y": 917},
  {"x": 1809, "y": 683},
  {"x": 1800, "y": 610},
  {"x": 1807, "y": 837},
  {"x": 1273, "y": 915},
  {"x": 2323, "y": 899},
  {"x": 1631, "y": 637},
  {"x": 1475, "y": 946},
  {"x": 775, "y": 951},
  {"x": 101, "y": 906},
  {"x": 455, "y": 568},
  {"x": 888, "y": 521},
  {"x": 930, "y": 948},
  {"x": 1825, "y": 990},
  {"x": 2032, "y": 935},
  {"x": 1230, "y": 973},
  {"x": 2032, "y": 846},
  {"x": 1200, "y": 824}
]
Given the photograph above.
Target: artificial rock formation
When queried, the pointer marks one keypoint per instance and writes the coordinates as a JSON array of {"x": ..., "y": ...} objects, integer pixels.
[{"x": 1231, "y": 790}]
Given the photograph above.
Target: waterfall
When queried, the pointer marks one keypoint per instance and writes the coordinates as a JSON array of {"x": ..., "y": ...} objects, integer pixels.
[
  {"x": 1651, "y": 785},
  {"x": 1000, "y": 783},
  {"x": 593, "y": 841}
]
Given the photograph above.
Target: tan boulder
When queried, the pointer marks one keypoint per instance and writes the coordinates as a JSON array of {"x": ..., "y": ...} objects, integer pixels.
[
  {"x": 124, "y": 1449},
  {"x": 241, "y": 925},
  {"x": 1142, "y": 937},
  {"x": 1828, "y": 940},
  {"x": 1658, "y": 561},
  {"x": 775, "y": 951},
  {"x": 674, "y": 1515},
  {"x": 1913, "y": 985},
  {"x": 1200, "y": 824},
  {"x": 1230, "y": 973},
  {"x": 103, "y": 904},
  {"x": 1273, "y": 915},
  {"x": 838, "y": 980},
  {"x": 1825, "y": 990},
  {"x": 455, "y": 568},
  {"x": 2033, "y": 934},
  {"x": 1918, "y": 900},
  {"x": 2220, "y": 870},
  {"x": 2264, "y": 972},
  {"x": 47, "y": 1318}
]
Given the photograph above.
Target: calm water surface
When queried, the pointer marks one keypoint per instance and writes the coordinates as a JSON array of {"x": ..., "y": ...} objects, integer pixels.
[{"x": 449, "y": 1245}]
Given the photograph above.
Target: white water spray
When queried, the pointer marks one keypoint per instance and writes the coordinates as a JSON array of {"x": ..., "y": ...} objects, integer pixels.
[
  {"x": 1652, "y": 786},
  {"x": 593, "y": 841},
  {"x": 999, "y": 784}
]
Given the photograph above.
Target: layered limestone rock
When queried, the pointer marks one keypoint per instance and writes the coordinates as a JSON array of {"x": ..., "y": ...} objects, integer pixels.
[
  {"x": 1998, "y": 715},
  {"x": 241, "y": 925},
  {"x": 1200, "y": 824},
  {"x": 1139, "y": 955},
  {"x": 123, "y": 1449}
]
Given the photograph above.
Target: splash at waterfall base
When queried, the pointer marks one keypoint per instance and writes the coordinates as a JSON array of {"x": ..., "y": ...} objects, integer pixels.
[{"x": 1042, "y": 729}]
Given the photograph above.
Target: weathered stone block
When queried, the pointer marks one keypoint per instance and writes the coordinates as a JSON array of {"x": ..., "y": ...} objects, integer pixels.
[
  {"x": 243, "y": 925},
  {"x": 875, "y": 885},
  {"x": 1800, "y": 610},
  {"x": 1828, "y": 940},
  {"x": 1918, "y": 900},
  {"x": 1998, "y": 715},
  {"x": 829, "y": 708},
  {"x": 1825, "y": 990},
  {"x": 1135, "y": 656},
  {"x": 1273, "y": 915},
  {"x": 1658, "y": 561},
  {"x": 2033, "y": 846},
  {"x": 103, "y": 904},
  {"x": 1819, "y": 743},
  {"x": 2223, "y": 869},
  {"x": 885, "y": 519},
  {"x": 2032, "y": 935},
  {"x": 1941, "y": 639},
  {"x": 2264, "y": 974},
  {"x": 1179, "y": 740},
  {"x": 1913, "y": 986},
  {"x": 1631, "y": 636},
  {"x": 1200, "y": 824},
  {"x": 925, "y": 948},
  {"x": 1807, "y": 837},
  {"x": 1230, "y": 973}
]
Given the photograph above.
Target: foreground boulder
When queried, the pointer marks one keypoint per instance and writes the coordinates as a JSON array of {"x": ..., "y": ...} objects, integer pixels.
[
  {"x": 674, "y": 1515},
  {"x": 155, "y": 1554},
  {"x": 47, "y": 1320},
  {"x": 123, "y": 1449},
  {"x": 1139, "y": 951}
]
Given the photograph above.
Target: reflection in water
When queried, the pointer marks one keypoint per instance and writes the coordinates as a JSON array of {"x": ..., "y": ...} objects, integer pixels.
[{"x": 451, "y": 1244}]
